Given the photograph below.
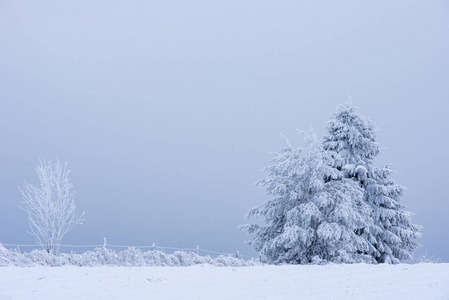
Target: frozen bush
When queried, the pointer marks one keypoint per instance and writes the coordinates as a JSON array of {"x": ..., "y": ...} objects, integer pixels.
[{"x": 131, "y": 257}]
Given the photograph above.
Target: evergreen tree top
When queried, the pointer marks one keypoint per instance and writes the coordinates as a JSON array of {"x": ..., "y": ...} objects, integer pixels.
[{"x": 351, "y": 137}]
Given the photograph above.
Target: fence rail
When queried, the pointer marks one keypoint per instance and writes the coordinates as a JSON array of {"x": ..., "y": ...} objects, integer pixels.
[{"x": 152, "y": 247}]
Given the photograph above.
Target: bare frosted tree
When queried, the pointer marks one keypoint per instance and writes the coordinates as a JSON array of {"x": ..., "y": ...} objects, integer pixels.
[{"x": 50, "y": 206}]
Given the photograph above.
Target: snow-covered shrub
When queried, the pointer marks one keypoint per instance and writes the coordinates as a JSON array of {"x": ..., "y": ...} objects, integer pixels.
[
  {"x": 130, "y": 257},
  {"x": 428, "y": 259}
]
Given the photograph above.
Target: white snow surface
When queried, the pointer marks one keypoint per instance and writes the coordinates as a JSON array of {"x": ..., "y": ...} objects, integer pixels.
[{"x": 350, "y": 281}]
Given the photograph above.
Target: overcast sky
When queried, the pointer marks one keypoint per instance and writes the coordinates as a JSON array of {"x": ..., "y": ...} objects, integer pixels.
[{"x": 166, "y": 111}]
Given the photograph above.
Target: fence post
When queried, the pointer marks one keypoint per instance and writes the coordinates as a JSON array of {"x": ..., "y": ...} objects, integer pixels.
[
  {"x": 153, "y": 246},
  {"x": 104, "y": 243},
  {"x": 237, "y": 254},
  {"x": 197, "y": 250}
]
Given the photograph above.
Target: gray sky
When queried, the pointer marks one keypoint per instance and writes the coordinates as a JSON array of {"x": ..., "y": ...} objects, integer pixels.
[{"x": 167, "y": 110}]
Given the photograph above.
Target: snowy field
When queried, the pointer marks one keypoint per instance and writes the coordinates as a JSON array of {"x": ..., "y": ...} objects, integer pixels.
[{"x": 360, "y": 281}]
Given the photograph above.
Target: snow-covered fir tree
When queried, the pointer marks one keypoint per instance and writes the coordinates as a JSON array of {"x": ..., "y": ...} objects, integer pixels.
[
  {"x": 331, "y": 203},
  {"x": 397, "y": 239},
  {"x": 350, "y": 143},
  {"x": 314, "y": 213}
]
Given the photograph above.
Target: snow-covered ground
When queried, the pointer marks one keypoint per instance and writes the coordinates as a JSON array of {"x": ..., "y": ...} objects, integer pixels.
[{"x": 358, "y": 281}]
